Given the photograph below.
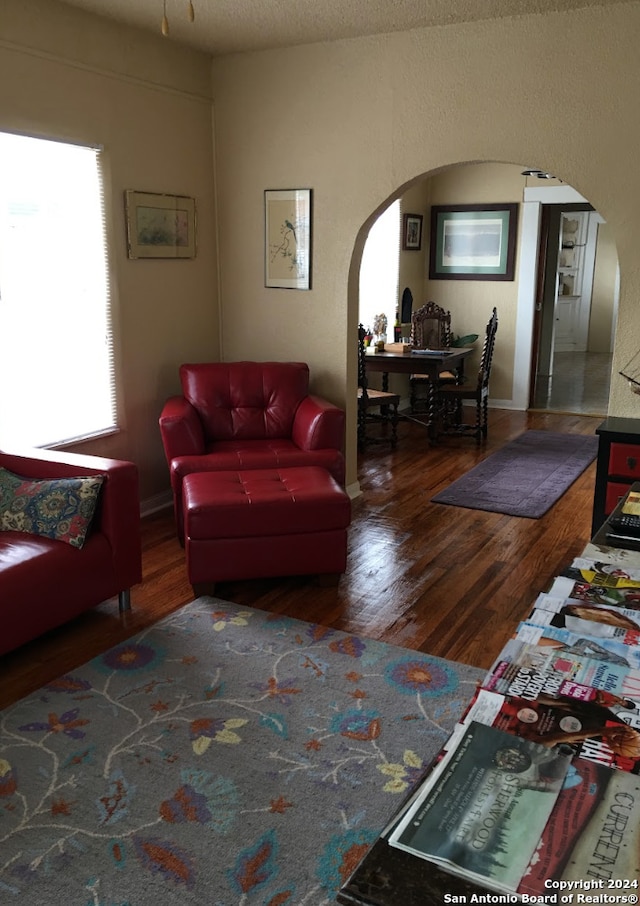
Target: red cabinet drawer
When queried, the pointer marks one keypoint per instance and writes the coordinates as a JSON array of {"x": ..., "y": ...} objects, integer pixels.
[
  {"x": 624, "y": 460},
  {"x": 615, "y": 490}
]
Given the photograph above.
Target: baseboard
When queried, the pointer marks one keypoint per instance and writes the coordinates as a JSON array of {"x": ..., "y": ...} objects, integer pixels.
[
  {"x": 354, "y": 490},
  {"x": 505, "y": 404},
  {"x": 156, "y": 503}
]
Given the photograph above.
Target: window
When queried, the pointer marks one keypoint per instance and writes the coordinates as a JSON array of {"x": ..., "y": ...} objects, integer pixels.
[
  {"x": 56, "y": 364},
  {"x": 379, "y": 269}
]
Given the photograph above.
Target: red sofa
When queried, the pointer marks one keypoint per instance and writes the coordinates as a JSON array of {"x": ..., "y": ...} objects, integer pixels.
[
  {"x": 46, "y": 582},
  {"x": 248, "y": 415}
]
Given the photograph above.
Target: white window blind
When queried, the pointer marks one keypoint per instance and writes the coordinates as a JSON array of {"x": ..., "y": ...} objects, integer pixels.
[
  {"x": 379, "y": 269},
  {"x": 56, "y": 365}
]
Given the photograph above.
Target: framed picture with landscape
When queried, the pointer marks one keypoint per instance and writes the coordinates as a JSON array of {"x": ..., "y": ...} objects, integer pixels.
[
  {"x": 473, "y": 242},
  {"x": 159, "y": 225}
]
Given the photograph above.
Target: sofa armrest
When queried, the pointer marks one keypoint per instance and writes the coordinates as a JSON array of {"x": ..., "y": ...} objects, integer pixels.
[
  {"x": 181, "y": 429},
  {"x": 118, "y": 513},
  {"x": 318, "y": 425}
]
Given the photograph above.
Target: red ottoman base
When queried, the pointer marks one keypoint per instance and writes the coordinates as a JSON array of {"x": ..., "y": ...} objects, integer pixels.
[{"x": 264, "y": 522}]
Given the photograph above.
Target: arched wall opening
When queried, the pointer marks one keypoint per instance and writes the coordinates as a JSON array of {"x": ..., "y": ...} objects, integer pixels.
[{"x": 471, "y": 301}]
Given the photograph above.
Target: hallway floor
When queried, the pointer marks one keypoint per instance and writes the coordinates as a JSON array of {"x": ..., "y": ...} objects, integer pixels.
[{"x": 579, "y": 384}]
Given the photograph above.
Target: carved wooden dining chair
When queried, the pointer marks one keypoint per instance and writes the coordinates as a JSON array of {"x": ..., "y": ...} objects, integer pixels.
[
  {"x": 370, "y": 400},
  {"x": 450, "y": 397},
  {"x": 430, "y": 329}
]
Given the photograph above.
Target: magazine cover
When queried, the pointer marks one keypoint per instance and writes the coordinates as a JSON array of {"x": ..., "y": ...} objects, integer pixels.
[
  {"x": 614, "y": 678},
  {"x": 598, "y": 733},
  {"x": 592, "y": 833},
  {"x": 617, "y": 596},
  {"x": 606, "y": 553},
  {"x": 527, "y": 682},
  {"x": 599, "y": 572},
  {"x": 612, "y": 650},
  {"x": 595, "y": 620},
  {"x": 484, "y": 816}
]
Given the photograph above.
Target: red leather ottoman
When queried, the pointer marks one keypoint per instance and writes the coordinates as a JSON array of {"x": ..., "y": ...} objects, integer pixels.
[{"x": 264, "y": 522}]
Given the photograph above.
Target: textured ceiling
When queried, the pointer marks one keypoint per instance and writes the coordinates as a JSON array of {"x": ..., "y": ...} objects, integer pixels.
[{"x": 229, "y": 26}]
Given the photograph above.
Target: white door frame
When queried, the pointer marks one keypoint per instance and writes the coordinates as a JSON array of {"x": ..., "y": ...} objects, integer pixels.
[{"x": 534, "y": 198}]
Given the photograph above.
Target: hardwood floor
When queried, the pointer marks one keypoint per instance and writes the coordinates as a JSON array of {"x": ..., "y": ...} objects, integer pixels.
[{"x": 443, "y": 580}]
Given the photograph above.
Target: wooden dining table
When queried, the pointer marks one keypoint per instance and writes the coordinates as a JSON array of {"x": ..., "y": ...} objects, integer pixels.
[{"x": 430, "y": 364}]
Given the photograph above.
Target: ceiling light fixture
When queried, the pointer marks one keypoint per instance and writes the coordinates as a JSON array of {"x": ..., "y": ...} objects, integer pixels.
[
  {"x": 191, "y": 15},
  {"x": 535, "y": 171}
]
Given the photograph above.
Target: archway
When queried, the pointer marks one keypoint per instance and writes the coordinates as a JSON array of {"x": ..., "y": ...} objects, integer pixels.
[{"x": 470, "y": 302}]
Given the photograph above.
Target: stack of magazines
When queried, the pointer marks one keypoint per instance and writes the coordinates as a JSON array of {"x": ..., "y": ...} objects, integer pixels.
[{"x": 540, "y": 782}]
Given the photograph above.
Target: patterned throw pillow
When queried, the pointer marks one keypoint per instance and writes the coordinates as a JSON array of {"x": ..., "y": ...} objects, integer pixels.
[{"x": 59, "y": 508}]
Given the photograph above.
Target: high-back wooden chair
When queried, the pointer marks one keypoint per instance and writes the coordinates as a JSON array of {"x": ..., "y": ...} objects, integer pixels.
[
  {"x": 369, "y": 401},
  {"x": 430, "y": 329},
  {"x": 449, "y": 397}
]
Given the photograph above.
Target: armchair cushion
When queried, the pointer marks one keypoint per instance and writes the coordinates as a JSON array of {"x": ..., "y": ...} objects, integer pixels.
[
  {"x": 44, "y": 583},
  {"x": 61, "y": 509},
  {"x": 245, "y": 400}
]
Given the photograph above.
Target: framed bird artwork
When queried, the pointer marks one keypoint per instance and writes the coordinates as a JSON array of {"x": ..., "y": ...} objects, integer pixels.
[{"x": 287, "y": 244}]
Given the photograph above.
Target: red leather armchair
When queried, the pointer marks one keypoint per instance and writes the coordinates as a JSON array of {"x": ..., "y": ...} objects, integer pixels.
[
  {"x": 44, "y": 582},
  {"x": 248, "y": 415}
]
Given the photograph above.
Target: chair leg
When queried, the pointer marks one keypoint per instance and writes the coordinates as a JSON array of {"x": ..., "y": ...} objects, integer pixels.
[
  {"x": 124, "y": 600},
  {"x": 394, "y": 425},
  {"x": 480, "y": 423},
  {"x": 361, "y": 430}
]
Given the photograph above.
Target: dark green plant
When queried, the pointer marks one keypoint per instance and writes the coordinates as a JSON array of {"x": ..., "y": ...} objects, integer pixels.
[{"x": 467, "y": 340}]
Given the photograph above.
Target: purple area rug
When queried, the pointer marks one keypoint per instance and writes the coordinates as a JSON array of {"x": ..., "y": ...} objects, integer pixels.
[
  {"x": 224, "y": 756},
  {"x": 526, "y": 477}
]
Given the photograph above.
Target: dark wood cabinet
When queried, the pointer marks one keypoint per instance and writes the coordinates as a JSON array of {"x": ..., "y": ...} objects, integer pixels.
[{"x": 618, "y": 465}]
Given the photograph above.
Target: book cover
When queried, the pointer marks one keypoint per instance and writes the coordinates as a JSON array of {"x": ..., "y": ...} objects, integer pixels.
[
  {"x": 631, "y": 506},
  {"x": 484, "y": 816},
  {"x": 606, "y": 735},
  {"x": 592, "y": 834}
]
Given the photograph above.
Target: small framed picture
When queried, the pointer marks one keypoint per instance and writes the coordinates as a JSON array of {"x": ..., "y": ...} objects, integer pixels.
[
  {"x": 287, "y": 238},
  {"x": 159, "y": 225},
  {"x": 412, "y": 232}
]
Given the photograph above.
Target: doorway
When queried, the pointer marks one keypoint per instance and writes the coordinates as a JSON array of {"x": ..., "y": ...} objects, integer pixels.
[{"x": 575, "y": 311}]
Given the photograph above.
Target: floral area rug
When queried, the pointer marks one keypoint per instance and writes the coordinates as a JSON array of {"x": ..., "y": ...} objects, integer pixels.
[{"x": 224, "y": 756}]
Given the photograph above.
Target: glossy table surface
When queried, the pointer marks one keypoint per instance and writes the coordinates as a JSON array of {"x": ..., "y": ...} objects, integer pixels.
[{"x": 414, "y": 363}]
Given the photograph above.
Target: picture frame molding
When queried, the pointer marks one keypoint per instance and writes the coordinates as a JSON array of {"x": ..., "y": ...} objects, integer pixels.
[
  {"x": 288, "y": 238},
  {"x": 504, "y": 213},
  {"x": 137, "y": 221},
  {"x": 412, "y": 232}
]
